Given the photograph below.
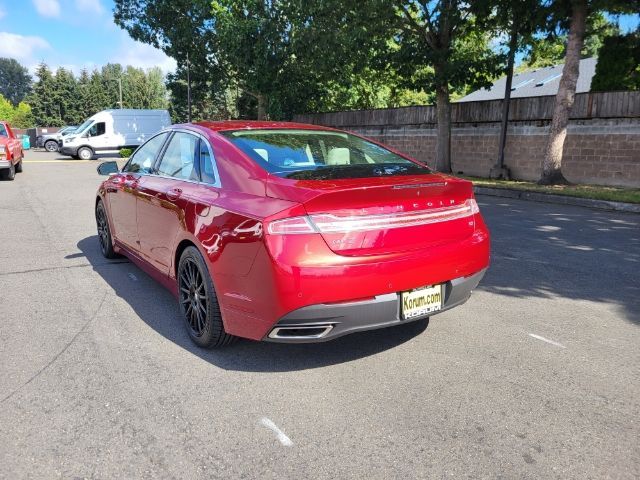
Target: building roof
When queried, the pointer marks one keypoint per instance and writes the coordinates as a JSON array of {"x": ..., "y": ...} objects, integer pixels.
[{"x": 536, "y": 83}]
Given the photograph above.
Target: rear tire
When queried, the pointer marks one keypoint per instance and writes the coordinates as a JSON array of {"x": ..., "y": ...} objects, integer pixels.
[
  {"x": 199, "y": 303},
  {"x": 104, "y": 232},
  {"x": 85, "y": 153},
  {"x": 51, "y": 146},
  {"x": 9, "y": 173},
  {"x": 19, "y": 166}
]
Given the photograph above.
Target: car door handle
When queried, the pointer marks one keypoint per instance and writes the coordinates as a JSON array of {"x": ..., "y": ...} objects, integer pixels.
[{"x": 174, "y": 193}]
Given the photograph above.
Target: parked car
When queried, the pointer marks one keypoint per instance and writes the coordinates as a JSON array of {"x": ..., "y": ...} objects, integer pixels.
[
  {"x": 289, "y": 232},
  {"x": 11, "y": 152},
  {"x": 111, "y": 130},
  {"x": 49, "y": 141}
]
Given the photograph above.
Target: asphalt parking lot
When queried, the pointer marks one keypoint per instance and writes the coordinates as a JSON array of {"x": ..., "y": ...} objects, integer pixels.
[{"x": 537, "y": 376}]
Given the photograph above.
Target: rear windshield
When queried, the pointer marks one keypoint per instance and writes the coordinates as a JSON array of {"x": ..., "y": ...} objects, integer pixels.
[{"x": 320, "y": 155}]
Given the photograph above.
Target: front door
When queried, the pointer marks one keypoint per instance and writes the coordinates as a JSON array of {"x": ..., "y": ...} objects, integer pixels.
[
  {"x": 164, "y": 200},
  {"x": 123, "y": 190}
]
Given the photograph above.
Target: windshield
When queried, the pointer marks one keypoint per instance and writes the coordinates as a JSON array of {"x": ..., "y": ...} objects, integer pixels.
[
  {"x": 320, "y": 155},
  {"x": 83, "y": 127},
  {"x": 3, "y": 131}
]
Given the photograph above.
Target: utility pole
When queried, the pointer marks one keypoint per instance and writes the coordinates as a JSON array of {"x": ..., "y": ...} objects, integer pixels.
[
  {"x": 499, "y": 170},
  {"x": 120, "y": 88},
  {"x": 189, "y": 88}
]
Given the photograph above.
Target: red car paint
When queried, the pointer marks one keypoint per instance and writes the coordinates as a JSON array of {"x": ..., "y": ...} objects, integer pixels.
[
  {"x": 260, "y": 277},
  {"x": 13, "y": 153}
]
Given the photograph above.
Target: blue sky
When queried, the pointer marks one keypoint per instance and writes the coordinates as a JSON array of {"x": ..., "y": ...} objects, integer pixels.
[
  {"x": 81, "y": 33},
  {"x": 70, "y": 33}
]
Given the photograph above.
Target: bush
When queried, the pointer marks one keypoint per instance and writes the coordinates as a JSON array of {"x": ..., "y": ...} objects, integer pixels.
[{"x": 125, "y": 152}]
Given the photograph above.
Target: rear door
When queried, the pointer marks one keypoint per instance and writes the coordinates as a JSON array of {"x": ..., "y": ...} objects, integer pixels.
[
  {"x": 124, "y": 188},
  {"x": 164, "y": 199}
]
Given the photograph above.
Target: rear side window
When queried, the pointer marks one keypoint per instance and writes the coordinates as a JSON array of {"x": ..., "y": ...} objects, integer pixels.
[
  {"x": 180, "y": 156},
  {"x": 143, "y": 158},
  {"x": 206, "y": 163},
  {"x": 320, "y": 154}
]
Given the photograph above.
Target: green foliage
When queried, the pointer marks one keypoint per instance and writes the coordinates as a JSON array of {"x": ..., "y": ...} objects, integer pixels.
[
  {"x": 549, "y": 48},
  {"x": 125, "y": 152},
  {"x": 63, "y": 99},
  {"x": 15, "y": 81},
  {"x": 618, "y": 66},
  {"x": 19, "y": 116}
]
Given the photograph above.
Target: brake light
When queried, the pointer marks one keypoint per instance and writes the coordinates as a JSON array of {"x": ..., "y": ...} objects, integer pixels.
[
  {"x": 328, "y": 223},
  {"x": 288, "y": 226}
]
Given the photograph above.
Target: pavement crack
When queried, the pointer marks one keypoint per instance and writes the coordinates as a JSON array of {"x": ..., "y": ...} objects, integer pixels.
[
  {"x": 66, "y": 347},
  {"x": 62, "y": 267}
]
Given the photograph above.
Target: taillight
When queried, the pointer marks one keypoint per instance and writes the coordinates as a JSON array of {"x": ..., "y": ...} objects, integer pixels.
[
  {"x": 288, "y": 226},
  {"x": 328, "y": 223}
]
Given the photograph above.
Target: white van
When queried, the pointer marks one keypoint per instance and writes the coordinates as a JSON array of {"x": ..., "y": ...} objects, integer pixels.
[{"x": 110, "y": 130}]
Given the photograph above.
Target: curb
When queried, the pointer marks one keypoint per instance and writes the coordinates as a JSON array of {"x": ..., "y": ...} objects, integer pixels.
[{"x": 558, "y": 199}]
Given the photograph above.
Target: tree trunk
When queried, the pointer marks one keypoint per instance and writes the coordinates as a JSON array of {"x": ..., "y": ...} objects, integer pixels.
[
  {"x": 443, "y": 140},
  {"x": 262, "y": 106},
  {"x": 552, "y": 163}
]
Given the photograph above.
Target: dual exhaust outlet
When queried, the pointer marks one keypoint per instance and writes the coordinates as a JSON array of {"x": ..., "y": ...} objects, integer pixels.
[{"x": 300, "y": 332}]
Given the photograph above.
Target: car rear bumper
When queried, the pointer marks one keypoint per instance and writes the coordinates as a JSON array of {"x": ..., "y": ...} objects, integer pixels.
[
  {"x": 318, "y": 323},
  {"x": 5, "y": 164}
]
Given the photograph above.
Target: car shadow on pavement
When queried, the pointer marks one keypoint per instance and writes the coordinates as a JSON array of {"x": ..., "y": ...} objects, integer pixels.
[
  {"x": 158, "y": 308},
  {"x": 546, "y": 251}
]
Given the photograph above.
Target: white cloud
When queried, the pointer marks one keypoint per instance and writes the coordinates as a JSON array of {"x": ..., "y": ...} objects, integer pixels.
[
  {"x": 142, "y": 55},
  {"x": 47, "y": 8},
  {"x": 22, "y": 48},
  {"x": 3, "y": 13},
  {"x": 90, "y": 6}
]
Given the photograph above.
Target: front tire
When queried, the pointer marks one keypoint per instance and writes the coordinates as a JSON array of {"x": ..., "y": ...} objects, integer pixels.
[
  {"x": 104, "y": 232},
  {"x": 51, "y": 146},
  {"x": 198, "y": 302},
  {"x": 85, "y": 153}
]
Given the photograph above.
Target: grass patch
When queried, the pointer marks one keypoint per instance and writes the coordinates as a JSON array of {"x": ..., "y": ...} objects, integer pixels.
[{"x": 596, "y": 192}]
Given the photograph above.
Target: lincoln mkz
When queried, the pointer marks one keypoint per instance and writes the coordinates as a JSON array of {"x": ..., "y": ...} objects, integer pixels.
[{"x": 288, "y": 232}]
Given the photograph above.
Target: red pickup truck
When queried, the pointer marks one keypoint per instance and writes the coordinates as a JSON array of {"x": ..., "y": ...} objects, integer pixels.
[{"x": 11, "y": 153}]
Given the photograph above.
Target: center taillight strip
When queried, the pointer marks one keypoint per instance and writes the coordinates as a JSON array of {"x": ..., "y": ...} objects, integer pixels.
[{"x": 328, "y": 223}]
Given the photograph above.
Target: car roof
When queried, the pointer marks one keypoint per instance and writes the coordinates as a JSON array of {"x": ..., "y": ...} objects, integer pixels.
[{"x": 226, "y": 125}]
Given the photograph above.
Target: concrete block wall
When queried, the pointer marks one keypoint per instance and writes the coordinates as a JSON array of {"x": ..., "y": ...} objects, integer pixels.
[{"x": 598, "y": 151}]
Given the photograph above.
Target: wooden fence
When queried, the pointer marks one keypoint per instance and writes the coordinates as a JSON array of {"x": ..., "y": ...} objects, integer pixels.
[{"x": 586, "y": 106}]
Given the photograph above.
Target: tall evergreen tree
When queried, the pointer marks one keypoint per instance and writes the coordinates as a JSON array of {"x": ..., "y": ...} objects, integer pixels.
[
  {"x": 66, "y": 97},
  {"x": 42, "y": 99}
]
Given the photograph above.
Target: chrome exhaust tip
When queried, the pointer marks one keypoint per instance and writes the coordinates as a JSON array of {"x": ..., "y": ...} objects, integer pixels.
[{"x": 300, "y": 332}]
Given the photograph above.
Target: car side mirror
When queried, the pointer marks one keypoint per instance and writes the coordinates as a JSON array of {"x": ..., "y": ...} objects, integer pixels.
[{"x": 108, "y": 168}]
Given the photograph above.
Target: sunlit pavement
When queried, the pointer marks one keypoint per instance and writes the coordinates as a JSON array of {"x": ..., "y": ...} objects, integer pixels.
[{"x": 537, "y": 376}]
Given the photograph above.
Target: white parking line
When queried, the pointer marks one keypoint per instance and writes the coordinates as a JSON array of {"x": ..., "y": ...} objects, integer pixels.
[
  {"x": 284, "y": 440},
  {"x": 547, "y": 340}
]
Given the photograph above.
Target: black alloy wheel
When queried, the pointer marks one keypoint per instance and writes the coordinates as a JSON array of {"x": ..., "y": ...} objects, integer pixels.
[
  {"x": 104, "y": 233},
  {"x": 199, "y": 303}
]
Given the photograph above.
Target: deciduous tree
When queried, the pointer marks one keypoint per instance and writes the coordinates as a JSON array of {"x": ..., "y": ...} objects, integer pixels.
[{"x": 15, "y": 81}]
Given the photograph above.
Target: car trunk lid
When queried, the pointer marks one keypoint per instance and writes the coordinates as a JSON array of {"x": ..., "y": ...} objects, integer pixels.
[{"x": 372, "y": 216}]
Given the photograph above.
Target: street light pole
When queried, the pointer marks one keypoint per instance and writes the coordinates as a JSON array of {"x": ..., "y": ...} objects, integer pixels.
[
  {"x": 189, "y": 88},
  {"x": 120, "y": 89}
]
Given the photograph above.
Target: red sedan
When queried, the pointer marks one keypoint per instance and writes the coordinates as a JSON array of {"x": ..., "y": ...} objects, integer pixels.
[{"x": 289, "y": 232}]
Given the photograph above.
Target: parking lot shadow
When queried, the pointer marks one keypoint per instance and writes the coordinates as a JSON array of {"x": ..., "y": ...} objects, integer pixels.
[
  {"x": 158, "y": 308},
  {"x": 546, "y": 251}
]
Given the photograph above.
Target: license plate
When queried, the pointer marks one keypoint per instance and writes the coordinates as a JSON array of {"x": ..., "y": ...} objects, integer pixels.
[{"x": 421, "y": 301}]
